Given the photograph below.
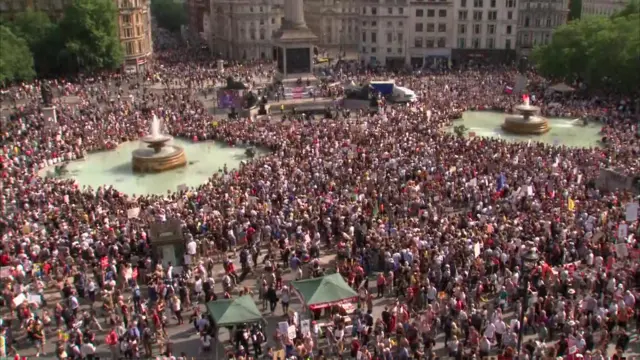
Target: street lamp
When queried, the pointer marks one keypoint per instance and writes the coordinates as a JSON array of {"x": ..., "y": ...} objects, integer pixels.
[{"x": 529, "y": 261}]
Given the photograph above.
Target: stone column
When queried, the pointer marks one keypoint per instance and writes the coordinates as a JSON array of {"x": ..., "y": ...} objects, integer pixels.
[{"x": 294, "y": 13}]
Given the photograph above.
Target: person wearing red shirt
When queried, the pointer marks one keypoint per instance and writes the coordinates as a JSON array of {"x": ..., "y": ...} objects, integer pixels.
[
  {"x": 355, "y": 347},
  {"x": 112, "y": 341}
]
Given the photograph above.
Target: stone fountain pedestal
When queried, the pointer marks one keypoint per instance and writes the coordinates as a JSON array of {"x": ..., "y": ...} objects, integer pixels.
[
  {"x": 158, "y": 156},
  {"x": 528, "y": 123}
]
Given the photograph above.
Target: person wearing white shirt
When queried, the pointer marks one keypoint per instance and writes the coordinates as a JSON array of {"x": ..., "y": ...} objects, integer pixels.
[
  {"x": 87, "y": 350},
  {"x": 485, "y": 346},
  {"x": 490, "y": 331}
]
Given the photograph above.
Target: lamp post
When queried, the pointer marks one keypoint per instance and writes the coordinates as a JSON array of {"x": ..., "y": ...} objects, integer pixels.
[{"x": 529, "y": 261}]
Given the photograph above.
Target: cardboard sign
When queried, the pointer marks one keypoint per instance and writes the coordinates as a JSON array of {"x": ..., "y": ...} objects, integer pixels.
[
  {"x": 19, "y": 299},
  {"x": 631, "y": 212},
  {"x": 283, "y": 327},
  {"x": 621, "y": 250},
  {"x": 133, "y": 213},
  {"x": 291, "y": 332},
  {"x": 305, "y": 327},
  {"x": 5, "y": 272},
  {"x": 622, "y": 232}
]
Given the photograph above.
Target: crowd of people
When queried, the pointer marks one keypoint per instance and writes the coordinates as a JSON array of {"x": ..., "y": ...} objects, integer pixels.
[{"x": 441, "y": 222}]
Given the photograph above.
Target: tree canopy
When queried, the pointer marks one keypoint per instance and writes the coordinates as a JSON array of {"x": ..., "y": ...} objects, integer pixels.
[
  {"x": 89, "y": 31},
  {"x": 596, "y": 50},
  {"x": 86, "y": 39},
  {"x": 169, "y": 14},
  {"x": 16, "y": 61}
]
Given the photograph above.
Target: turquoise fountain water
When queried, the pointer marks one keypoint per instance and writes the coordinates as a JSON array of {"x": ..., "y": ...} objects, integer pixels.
[
  {"x": 114, "y": 167},
  {"x": 567, "y": 132}
]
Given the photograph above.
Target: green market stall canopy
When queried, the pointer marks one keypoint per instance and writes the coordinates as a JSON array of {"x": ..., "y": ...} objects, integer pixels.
[
  {"x": 228, "y": 312},
  {"x": 322, "y": 292}
]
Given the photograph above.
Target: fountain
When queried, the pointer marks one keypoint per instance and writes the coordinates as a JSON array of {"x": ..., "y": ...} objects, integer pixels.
[
  {"x": 527, "y": 123},
  {"x": 158, "y": 156}
]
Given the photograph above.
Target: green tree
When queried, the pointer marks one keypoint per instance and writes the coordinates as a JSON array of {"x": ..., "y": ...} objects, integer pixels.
[
  {"x": 89, "y": 36},
  {"x": 170, "y": 14},
  {"x": 597, "y": 50},
  {"x": 16, "y": 60},
  {"x": 42, "y": 36},
  {"x": 632, "y": 7}
]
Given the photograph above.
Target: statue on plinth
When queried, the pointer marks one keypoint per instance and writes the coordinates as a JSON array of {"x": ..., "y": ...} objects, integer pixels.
[{"x": 47, "y": 94}]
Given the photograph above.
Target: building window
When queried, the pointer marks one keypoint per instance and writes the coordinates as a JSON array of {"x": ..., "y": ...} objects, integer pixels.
[
  {"x": 430, "y": 43},
  {"x": 374, "y": 37},
  {"x": 461, "y": 43},
  {"x": 251, "y": 9},
  {"x": 418, "y": 42},
  {"x": 390, "y": 11},
  {"x": 462, "y": 28},
  {"x": 442, "y": 13},
  {"x": 492, "y": 15},
  {"x": 477, "y": 15},
  {"x": 548, "y": 22},
  {"x": 462, "y": 15},
  {"x": 374, "y": 11},
  {"x": 388, "y": 50},
  {"x": 508, "y": 29},
  {"x": 419, "y": 27},
  {"x": 129, "y": 47},
  {"x": 509, "y": 15},
  {"x": 262, "y": 35},
  {"x": 493, "y": 3},
  {"x": 526, "y": 21},
  {"x": 477, "y": 3},
  {"x": 511, "y": 3},
  {"x": 252, "y": 33},
  {"x": 127, "y": 33},
  {"x": 431, "y": 27},
  {"x": 476, "y": 29},
  {"x": 364, "y": 10},
  {"x": 374, "y": 23},
  {"x": 442, "y": 28},
  {"x": 389, "y": 38},
  {"x": 373, "y": 50},
  {"x": 364, "y": 37},
  {"x": 399, "y": 50},
  {"x": 442, "y": 42},
  {"x": 537, "y": 22},
  {"x": 389, "y": 24},
  {"x": 400, "y": 11},
  {"x": 261, "y": 21},
  {"x": 419, "y": 13},
  {"x": 364, "y": 50},
  {"x": 431, "y": 13},
  {"x": 490, "y": 42},
  {"x": 126, "y": 19},
  {"x": 475, "y": 43},
  {"x": 400, "y": 38},
  {"x": 507, "y": 44},
  {"x": 463, "y": 3},
  {"x": 491, "y": 29}
]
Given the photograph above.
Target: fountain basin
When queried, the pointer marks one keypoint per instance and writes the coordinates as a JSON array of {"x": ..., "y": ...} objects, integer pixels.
[
  {"x": 521, "y": 125},
  {"x": 149, "y": 160}
]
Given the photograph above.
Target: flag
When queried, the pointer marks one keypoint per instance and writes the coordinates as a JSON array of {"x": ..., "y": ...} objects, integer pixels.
[
  {"x": 525, "y": 98},
  {"x": 571, "y": 205},
  {"x": 508, "y": 90}
]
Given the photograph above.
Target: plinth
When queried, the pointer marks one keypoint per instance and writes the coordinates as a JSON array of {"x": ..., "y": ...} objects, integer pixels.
[
  {"x": 527, "y": 123},
  {"x": 293, "y": 43},
  {"x": 158, "y": 156}
]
